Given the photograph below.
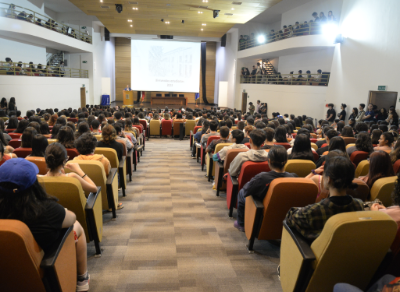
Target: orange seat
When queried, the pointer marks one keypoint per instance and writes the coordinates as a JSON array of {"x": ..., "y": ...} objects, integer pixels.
[
  {"x": 40, "y": 163},
  {"x": 263, "y": 220},
  {"x": 248, "y": 170},
  {"x": 349, "y": 140},
  {"x": 177, "y": 128}
]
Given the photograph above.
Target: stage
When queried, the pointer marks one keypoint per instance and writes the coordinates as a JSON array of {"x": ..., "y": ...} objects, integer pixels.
[{"x": 170, "y": 106}]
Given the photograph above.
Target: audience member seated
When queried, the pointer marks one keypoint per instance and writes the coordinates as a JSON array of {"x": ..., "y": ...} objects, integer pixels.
[
  {"x": 44, "y": 129},
  {"x": 336, "y": 143},
  {"x": 55, "y": 130},
  {"x": 56, "y": 160},
  {"x": 211, "y": 132},
  {"x": 39, "y": 145},
  {"x": 109, "y": 135},
  {"x": 121, "y": 136},
  {"x": 363, "y": 143},
  {"x": 22, "y": 125},
  {"x": 258, "y": 185},
  {"x": 385, "y": 142},
  {"x": 337, "y": 178},
  {"x": 27, "y": 136},
  {"x": 256, "y": 154},
  {"x": 86, "y": 144},
  {"x": 22, "y": 198},
  {"x": 380, "y": 166},
  {"x": 236, "y": 138},
  {"x": 301, "y": 148},
  {"x": 395, "y": 153},
  {"x": 3, "y": 157},
  {"x": 224, "y": 133},
  {"x": 269, "y": 138},
  {"x": 329, "y": 135},
  {"x": 247, "y": 132},
  {"x": 66, "y": 137}
]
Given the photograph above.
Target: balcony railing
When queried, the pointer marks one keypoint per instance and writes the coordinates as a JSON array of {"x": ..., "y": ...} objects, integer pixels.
[
  {"x": 311, "y": 28},
  {"x": 17, "y": 12},
  {"x": 25, "y": 69},
  {"x": 287, "y": 79}
]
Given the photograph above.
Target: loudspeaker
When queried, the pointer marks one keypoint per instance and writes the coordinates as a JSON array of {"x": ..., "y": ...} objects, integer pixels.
[
  {"x": 223, "y": 41},
  {"x": 106, "y": 34},
  {"x": 65, "y": 63},
  {"x": 216, "y": 13}
]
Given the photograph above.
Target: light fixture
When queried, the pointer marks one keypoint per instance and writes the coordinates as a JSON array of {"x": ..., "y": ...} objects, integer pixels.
[
  {"x": 233, "y": 8},
  {"x": 200, "y": 12},
  {"x": 203, "y": 24},
  {"x": 101, "y": 1},
  {"x": 261, "y": 39},
  {"x": 205, "y": 1},
  {"x": 129, "y": 20},
  {"x": 330, "y": 31},
  {"x": 162, "y": 20},
  {"x": 135, "y": 8},
  {"x": 167, "y": 22},
  {"x": 201, "y": 29},
  {"x": 131, "y": 25}
]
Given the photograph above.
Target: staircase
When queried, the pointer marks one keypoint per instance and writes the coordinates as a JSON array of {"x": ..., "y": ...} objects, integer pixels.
[
  {"x": 269, "y": 68},
  {"x": 54, "y": 60}
]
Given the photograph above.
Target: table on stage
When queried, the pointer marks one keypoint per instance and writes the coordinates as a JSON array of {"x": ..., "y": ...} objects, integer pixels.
[{"x": 162, "y": 98}]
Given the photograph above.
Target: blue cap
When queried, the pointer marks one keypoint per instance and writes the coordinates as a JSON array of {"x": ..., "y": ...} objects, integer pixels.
[{"x": 20, "y": 172}]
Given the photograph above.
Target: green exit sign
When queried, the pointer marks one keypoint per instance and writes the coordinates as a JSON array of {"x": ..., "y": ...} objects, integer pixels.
[
  {"x": 382, "y": 87},
  {"x": 84, "y": 62}
]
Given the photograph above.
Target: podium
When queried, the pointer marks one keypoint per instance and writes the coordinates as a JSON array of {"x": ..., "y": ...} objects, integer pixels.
[{"x": 127, "y": 97}]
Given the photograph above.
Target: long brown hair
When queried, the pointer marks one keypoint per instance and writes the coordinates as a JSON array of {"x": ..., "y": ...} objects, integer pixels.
[
  {"x": 380, "y": 166},
  {"x": 53, "y": 120}
]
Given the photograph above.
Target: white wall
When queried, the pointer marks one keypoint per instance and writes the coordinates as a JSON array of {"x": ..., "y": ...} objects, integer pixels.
[
  {"x": 77, "y": 20},
  {"x": 304, "y": 12},
  {"x": 257, "y": 28},
  {"x": 43, "y": 92},
  {"x": 22, "y": 52},
  {"x": 369, "y": 55},
  {"x": 286, "y": 99},
  {"x": 312, "y": 61}
]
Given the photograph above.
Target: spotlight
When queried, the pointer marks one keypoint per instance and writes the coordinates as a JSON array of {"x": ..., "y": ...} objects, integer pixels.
[
  {"x": 330, "y": 31},
  {"x": 261, "y": 39},
  {"x": 339, "y": 39},
  {"x": 216, "y": 13},
  {"x": 118, "y": 7},
  {"x": 131, "y": 25},
  {"x": 183, "y": 21},
  {"x": 162, "y": 20}
]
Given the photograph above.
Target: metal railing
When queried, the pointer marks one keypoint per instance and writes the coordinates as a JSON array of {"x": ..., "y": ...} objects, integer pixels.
[
  {"x": 10, "y": 10},
  {"x": 287, "y": 79},
  {"x": 311, "y": 28},
  {"x": 25, "y": 69}
]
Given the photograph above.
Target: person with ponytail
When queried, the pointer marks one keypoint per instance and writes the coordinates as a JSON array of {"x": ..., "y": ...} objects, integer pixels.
[
  {"x": 337, "y": 178},
  {"x": 258, "y": 185}
]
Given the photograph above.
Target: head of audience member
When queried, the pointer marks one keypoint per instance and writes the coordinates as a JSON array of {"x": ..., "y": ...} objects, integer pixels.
[
  {"x": 330, "y": 134},
  {"x": 277, "y": 158},
  {"x": 260, "y": 125},
  {"x": 237, "y": 136},
  {"x": 35, "y": 125},
  {"x": 347, "y": 131},
  {"x": 375, "y": 135},
  {"x": 340, "y": 125},
  {"x": 22, "y": 125},
  {"x": 95, "y": 125},
  {"x": 86, "y": 144},
  {"x": 224, "y": 132},
  {"x": 280, "y": 134},
  {"x": 83, "y": 127},
  {"x": 66, "y": 137},
  {"x": 39, "y": 145},
  {"x": 12, "y": 123},
  {"x": 380, "y": 166},
  {"x": 27, "y": 136},
  {"x": 298, "y": 122},
  {"x": 44, "y": 128},
  {"x": 257, "y": 138},
  {"x": 241, "y": 125},
  {"x": 109, "y": 134},
  {"x": 54, "y": 131},
  {"x": 337, "y": 143},
  {"x": 383, "y": 128},
  {"x": 338, "y": 173},
  {"x": 364, "y": 143},
  {"x": 361, "y": 127},
  {"x": 302, "y": 148},
  {"x": 386, "y": 139},
  {"x": 53, "y": 120},
  {"x": 56, "y": 157},
  {"x": 213, "y": 126},
  {"x": 269, "y": 135}
]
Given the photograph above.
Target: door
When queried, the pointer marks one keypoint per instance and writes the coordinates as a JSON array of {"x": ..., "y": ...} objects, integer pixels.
[
  {"x": 83, "y": 97},
  {"x": 244, "y": 102},
  {"x": 383, "y": 99}
]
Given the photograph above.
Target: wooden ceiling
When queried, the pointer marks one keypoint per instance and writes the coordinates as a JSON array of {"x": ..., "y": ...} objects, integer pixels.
[{"x": 147, "y": 18}]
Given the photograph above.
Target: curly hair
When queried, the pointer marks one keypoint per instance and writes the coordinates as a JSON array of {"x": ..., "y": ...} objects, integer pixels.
[
  {"x": 109, "y": 134},
  {"x": 86, "y": 144},
  {"x": 364, "y": 142},
  {"x": 66, "y": 137}
]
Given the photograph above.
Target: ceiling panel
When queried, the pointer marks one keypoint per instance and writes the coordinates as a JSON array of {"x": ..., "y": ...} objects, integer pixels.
[{"x": 147, "y": 19}]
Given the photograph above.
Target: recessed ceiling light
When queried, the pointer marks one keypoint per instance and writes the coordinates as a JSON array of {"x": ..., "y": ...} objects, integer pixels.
[
  {"x": 200, "y": 12},
  {"x": 131, "y": 25},
  {"x": 167, "y": 22},
  {"x": 201, "y": 29},
  {"x": 203, "y": 24},
  {"x": 135, "y": 8},
  {"x": 101, "y": 1},
  {"x": 129, "y": 20},
  {"x": 205, "y": 1},
  {"x": 233, "y": 8}
]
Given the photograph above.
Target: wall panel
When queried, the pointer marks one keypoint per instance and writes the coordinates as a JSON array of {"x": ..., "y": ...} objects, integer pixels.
[{"x": 122, "y": 66}]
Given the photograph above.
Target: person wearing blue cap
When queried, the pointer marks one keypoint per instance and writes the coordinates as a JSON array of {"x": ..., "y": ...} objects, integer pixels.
[{"x": 23, "y": 198}]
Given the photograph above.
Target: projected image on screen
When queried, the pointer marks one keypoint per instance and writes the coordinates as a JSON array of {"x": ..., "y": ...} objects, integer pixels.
[{"x": 165, "y": 66}]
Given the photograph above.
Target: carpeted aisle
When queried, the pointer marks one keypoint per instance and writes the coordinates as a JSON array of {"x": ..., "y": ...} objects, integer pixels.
[{"x": 174, "y": 234}]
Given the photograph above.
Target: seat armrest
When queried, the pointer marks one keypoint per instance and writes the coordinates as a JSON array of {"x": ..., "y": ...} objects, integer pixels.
[
  {"x": 234, "y": 181},
  {"x": 220, "y": 164},
  {"x": 198, "y": 145},
  {"x": 49, "y": 258},
  {"x": 122, "y": 162},
  {"x": 191, "y": 133},
  {"x": 111, "y": 176},
  {"x": 301, "y": 243},
  {"x": 91, "y": 200},
  {"x": 129, "y": 152},
  {"x": 257, "y": 203},
  {"x": 138, "y": 147}
]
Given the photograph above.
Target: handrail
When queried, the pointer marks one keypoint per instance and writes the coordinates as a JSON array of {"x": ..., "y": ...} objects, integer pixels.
[
  {"x": 14, "y": 68},
  {"x": 11, "y": 12},
  {"x": 287, "y": 79},
  {"x": 311, "y": 28}
]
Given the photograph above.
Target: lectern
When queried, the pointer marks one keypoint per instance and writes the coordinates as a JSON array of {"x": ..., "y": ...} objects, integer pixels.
[{"x": 127, "y": 97}]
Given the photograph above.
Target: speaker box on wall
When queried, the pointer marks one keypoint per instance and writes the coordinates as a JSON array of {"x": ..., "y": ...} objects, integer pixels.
[
  {"x": 223, "y": 41},
  {"x": 65, "y": 63},
  {"x": 106, "y": 34}
]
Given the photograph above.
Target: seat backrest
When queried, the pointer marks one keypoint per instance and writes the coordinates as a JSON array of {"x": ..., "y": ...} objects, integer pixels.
[
  {"x": 382, "y": 189},
  {"x": 396, "y": 166},
  {"x": 124, "y": 150},
  {"x": 220, "y": 146},
  {"x": 40, "y": 163},
  {"x": 250, "y": 169},
  {"x": 166, "y": 127},
  {"x": 189, "y": 126},
  {"x": 50, "y": 141},
  {"x": 144, "y": 124},
  {"x": 20, "y": 255},
  {"x": 337, "y": 262},
  {"x": 350, "y": 145},
  {"x": 98, "y": 137},
  {"x": 362, "y": 168},
  {"x": 313, "y": 140},
  {"x": 315, "y": 156},
  {"x": 196, "y": 129},
  {"x": 72, "y": 153},
  {"x": 314, "y": 146},
  {"x": 177, "y": 127},
  {"x": 110, "y": 154},
  {"x": 361, "y": 192},
  {"x": 15, "y": 135},
  {"x": 300, "y": 167},
  {"x": 284, "y": 193},
  {"x": 286, "y": 145},
  {"x": 349, "y": 140},
  {"x": 358, "y": 156},
  {"x": 211, "y": 138},
  {"x": 15, "y": 143},
  {"x": 70, "y": 195},
  {"x": 22, "y": 152},
  {"x": 155, "y": 127},
  {"x": 247, "y": 145},
  {"x": 10, "y": 130},
  {"x": 230, "y": 155}
]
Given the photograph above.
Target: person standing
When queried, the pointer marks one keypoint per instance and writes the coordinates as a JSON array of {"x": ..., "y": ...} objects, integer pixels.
[
  {"x": 342, "y": 114},
  {"x": 251, "y": 108},
  {"x": 330, "y": 114},
  {"x": 127, "y": 88},
  {"x": 258, "y": 107},
  {"x": 62, "y": 69}
]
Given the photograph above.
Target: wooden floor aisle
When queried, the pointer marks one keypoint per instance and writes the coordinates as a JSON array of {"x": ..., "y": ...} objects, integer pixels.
[{"x": 174, "y": 234}]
